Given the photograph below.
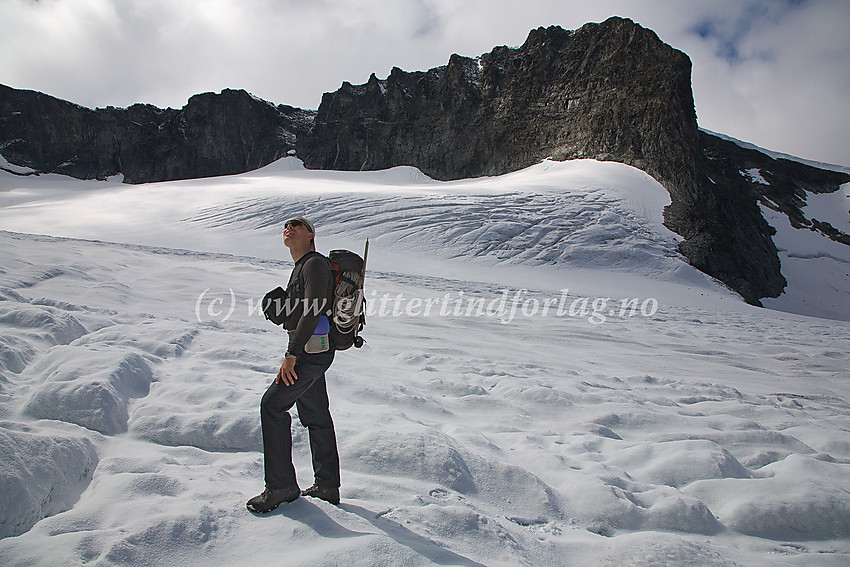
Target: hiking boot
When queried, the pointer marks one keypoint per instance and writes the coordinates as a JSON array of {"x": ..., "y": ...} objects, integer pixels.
[
  {"x": 272, "y": 498},
  {"x": 325, "y": 493}
]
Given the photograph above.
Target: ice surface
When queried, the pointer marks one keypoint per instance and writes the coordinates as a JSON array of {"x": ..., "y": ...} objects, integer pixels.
[{"x": 704, "y": 432}]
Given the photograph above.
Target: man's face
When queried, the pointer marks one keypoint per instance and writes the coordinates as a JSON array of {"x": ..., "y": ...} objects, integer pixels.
[{"x": 294, "y": 232}]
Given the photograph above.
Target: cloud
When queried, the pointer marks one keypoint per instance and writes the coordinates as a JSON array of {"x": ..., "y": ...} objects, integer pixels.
[
  {"x": 728, "y": 30},
  {"x": 769, "y": 72},
  {"x": 776, "y": 74}
]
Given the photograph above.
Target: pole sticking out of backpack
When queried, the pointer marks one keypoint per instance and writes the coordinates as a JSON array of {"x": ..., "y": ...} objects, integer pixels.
[{"x": 361, "y": 302}]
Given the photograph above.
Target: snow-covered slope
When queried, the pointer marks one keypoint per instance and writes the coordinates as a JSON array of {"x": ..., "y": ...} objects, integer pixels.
[
  {"x": 817, "y": 268},
  {"x": 645, "y": 416},
  {"x": 580, "y": 214},
  {"x": 585, "y": 225}
]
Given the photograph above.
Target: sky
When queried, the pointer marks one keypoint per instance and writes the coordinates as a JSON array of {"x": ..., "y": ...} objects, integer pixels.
[{"x": 771, "y": 72}]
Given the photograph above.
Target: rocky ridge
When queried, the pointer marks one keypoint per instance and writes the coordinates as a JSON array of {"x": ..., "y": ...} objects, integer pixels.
[
  {"x": 214, "y": 134},
  {"x": 607, "y": 91}
]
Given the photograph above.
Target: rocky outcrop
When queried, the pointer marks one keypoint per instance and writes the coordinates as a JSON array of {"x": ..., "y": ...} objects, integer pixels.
[
  {"x": 214, "y": 134},
  {"x": 608, "y": 91},
  {"x": 777, "y": 183},
  {"x": 725, "y": 234}
]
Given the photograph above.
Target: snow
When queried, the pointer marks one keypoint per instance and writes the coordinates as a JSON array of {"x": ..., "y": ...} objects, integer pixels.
[
  {"x": 4, "y": 164},
  {"x": 605, "y": 219},
  {"x": 41, "y": 474},
  {"x": 755, "y": 507},
  {"x": 754, "y": 175},
  {"x": 699, "y": 431},
  {"x": 833, "y": 208},
  {"x": 817, "y": 269}
]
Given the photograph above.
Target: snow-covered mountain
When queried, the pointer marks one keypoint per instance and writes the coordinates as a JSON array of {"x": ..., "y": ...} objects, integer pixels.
[
  {"x": 574, "y": 392},
  {"x": 611, "y": 91}
]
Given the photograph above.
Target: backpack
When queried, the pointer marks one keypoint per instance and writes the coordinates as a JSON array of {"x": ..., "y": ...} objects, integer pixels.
[
  {"x": 349, "y": 304},
  {"x": 347, "y": 315}
]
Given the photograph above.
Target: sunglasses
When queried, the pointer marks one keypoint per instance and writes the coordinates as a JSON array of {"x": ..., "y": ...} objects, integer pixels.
[{"x": 294, "y": 224}]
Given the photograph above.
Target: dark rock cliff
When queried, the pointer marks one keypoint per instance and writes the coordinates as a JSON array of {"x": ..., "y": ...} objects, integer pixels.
[
  {"x": 725, "y": 233},
  {"x": 214, "y": 134},
  {"x": 608, "y": 91}
]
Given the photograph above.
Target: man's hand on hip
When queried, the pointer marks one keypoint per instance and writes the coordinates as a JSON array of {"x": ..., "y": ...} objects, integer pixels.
[{"x": 287, "y": 372}]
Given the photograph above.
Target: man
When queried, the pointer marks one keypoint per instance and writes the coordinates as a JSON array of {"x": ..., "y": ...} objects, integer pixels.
[{"x": 301, "y": 380}]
